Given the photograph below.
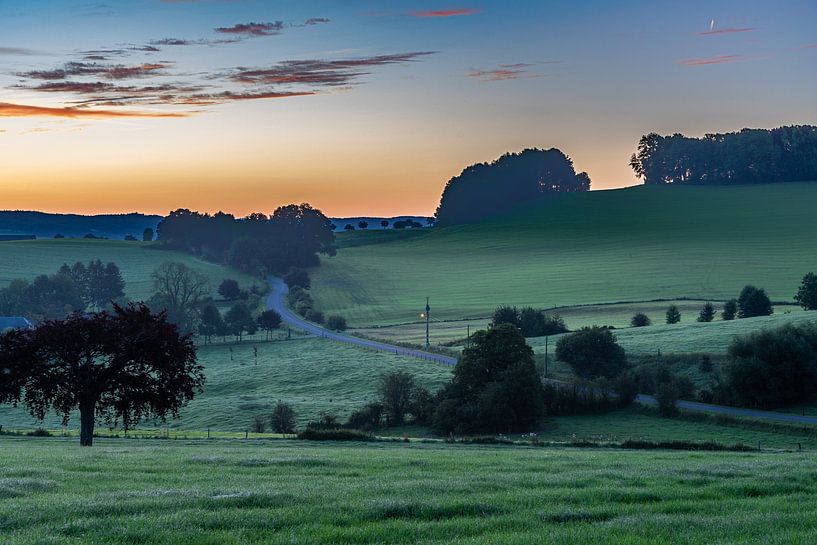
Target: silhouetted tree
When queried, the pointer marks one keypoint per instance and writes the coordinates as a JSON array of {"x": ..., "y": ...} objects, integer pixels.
[
  {"x": 147, "y": 234},
  {"x": 239, "y": 320},
  {"x": 730, "y": 309},
  {"x": 807, "y": 292},
  {"x": 640, "y": 319},
  {"x": 268, "y": 321},
  {"x": 211, "y": 322},
  {"x": 515, "y": 178},
  {"x": 129, "y": 238},
  {"x": 495, "y": 386},
  {"x": 384, "y": 223},
  {"x": 505, "y": 314},
  {"x": 753, "y": 302},
  {"x": 396, "y": 391},
  {"x": 229, "y": 289},
  {"x": 125, "y": 365},
  {"x": 592, "y": 352},
  {"x": 707, "y": 313},
  {"x": 282, "y": 418},
  {"x": 363, "y": 224},
  {"x": 673, "y": 314},
  {"x": 349, "y": 227},
  {"x": 180, "y": 291}
]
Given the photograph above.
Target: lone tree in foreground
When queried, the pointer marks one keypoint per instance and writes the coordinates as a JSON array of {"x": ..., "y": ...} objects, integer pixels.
[
  {"x": 807, "y": 293},
  {"x": 124, "y": 365}
]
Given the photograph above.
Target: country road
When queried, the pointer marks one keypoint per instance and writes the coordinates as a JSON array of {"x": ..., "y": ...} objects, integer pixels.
[{"x": 277, "y": 302}]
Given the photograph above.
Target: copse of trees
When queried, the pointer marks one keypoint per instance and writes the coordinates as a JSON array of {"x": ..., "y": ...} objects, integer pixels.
[
  {"x": 121, "y": 366},
  {"x": 292, "y": 236},
  {"x": 495, "y": 387},
  {"x": 751, "y": 156},
  {"x": 772, "y": 368},
  {"x": 531, "y": 322},
  {"x": 484, "y": 189}
]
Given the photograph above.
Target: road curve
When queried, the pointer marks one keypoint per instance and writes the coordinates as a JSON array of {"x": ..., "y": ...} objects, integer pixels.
[{"x": 277, "y": 301}]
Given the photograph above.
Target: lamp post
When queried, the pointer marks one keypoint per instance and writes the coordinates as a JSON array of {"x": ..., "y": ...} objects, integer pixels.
[{"x": 425, "y": 315}]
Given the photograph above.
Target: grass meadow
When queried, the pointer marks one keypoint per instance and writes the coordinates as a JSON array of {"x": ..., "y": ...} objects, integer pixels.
[
  {"x": 235, "y": 492},
  {"x": 635, "y": 244},
  {"x": 137, "y": 261}
]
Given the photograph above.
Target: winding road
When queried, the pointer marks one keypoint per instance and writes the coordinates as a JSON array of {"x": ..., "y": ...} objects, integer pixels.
[{"x": 277, "y": 301}]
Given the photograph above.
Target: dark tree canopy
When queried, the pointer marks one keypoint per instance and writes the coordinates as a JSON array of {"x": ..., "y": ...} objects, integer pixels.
[
  {"x": 229, "y": 289},
  {"x": 754, "y": 302},
  {"x": 707, "y": 313},
  {"x": 785, "y": 154},
  {"x": 297, "y": 277},
  {"x": 123, "y": 365},
  {"x": 807, "y": 292},
  {"x": 730, "y": 309},
  {"x": 592, "y": 352},
  {"x": 673, "y": 314},
  {"x": 495, "y": 386},
  {"x": 180, "y": 291},
  {"x": 292, "y": 237},
  {"x": 268, "y": 321},
  {"x": 485, "y": 189},
  {"x": 640, "y": 319}
]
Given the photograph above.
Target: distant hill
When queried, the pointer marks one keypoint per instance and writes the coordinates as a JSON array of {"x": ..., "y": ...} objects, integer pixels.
[{"x": 44, "y": 225}]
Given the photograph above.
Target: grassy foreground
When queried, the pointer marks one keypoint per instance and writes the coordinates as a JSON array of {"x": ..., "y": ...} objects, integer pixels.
[
  {"x": 165, "y": 492},
  {"x": 137, "y": 261},
  {"x": 634, "y": 244}
]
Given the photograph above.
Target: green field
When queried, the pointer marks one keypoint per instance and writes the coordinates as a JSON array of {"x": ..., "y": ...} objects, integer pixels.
[
  {"x": 684, "y": 338},
  {"x": 633, "y": 244},
  {"x": 137, "y": 261},
  {"x": 314, "y": 375},
  {"x": 217, "y": 492}
]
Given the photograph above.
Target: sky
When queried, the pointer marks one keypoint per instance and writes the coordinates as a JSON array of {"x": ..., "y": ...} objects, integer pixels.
[{"x": 368, "y": 108}]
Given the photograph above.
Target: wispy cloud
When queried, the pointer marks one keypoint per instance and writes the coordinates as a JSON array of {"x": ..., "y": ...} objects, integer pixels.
[
  {"x": 18, "y": 51},
  {"x": 316, "y": 21},
  {"x": 506, "y": 72},
  {"x": 718, "y": 59},
  {"x": 320, "y": 72},
  {"x": 23, "y": 110},
  {"x": 715, "y": 32},
  {"x": 445, "y": 12},
  {"x": 253, "y": 29},
  {"x": 107, "y": 71}
]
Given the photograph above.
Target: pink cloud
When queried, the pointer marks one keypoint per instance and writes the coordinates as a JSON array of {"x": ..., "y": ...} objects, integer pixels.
[
  {"x": 718, "y": 59},
  {"x": 725, "y": 31},
  {"x": 445, "y": 13}
]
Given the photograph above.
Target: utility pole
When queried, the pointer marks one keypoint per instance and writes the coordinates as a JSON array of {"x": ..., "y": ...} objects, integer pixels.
[
  {"x": 468, "y": 336},
  {"x": 428, "y": 309}
]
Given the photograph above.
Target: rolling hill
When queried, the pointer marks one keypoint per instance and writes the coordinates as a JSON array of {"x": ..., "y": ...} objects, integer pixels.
[
  {"x": 634, "y": 244},
  {"x": 45, "y": 225}
]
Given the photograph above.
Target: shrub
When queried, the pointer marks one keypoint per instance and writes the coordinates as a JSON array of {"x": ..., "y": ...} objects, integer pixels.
[
  {"x": 367, "y": 418},
  {"x": 297, "y": 278},
  {"x": 314, "y": 316},
  {"x": 640, "y": 320},
  {"x": 673, "y": 314},
  {"x": 707, "y": 313},
  {"x": 336, "y": 323},
  {"x": 282, "y": 418},
  {"x": 326, "y": 421},
  {"x": 667, "y": 398},
  {"x": 576, "y": 399},
  {"x": 396, "y": 391},
  {"x": 807, "y": 292},
  {"x": 505, "y": 315},
  {"x": 229, "y": 289},
  {"x": 592, "y": 352},
  {"x": 314, "y": 434},
  {"x": 39, "y": 432},
  {"x": 753, "y": 302},
  {"x": 730, "y": 309}
]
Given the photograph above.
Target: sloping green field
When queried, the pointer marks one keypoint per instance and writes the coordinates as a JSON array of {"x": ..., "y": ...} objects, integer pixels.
[
  {"x": 313, "y": 375},
  {"x": 269, "y": 492},
  {"x": 137, "y": 261},
  {"x": 633, "y": 244}
]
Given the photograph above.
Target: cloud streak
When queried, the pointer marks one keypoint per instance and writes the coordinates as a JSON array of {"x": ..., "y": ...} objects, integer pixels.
[
  {"x": 718, "y": 59},
  {"x": 8, "y": 109},
  {"x": 253, "y": 30},
  {"x": 444, "y": 13},
  {"x": 725, "y": 31},
  {"x": 107, "y": 71}
]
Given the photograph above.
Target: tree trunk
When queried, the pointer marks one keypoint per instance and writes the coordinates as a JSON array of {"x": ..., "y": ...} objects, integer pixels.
[{"x": 87, "y": 419}]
